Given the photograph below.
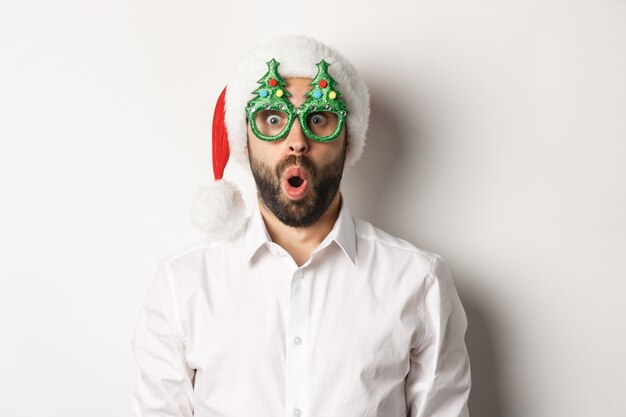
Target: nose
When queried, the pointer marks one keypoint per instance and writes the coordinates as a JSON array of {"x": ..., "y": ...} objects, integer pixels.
[{"x": 297, "y": 141}]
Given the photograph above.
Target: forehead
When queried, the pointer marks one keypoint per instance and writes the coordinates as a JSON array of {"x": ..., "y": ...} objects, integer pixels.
[{"x": 297, "y": 87}]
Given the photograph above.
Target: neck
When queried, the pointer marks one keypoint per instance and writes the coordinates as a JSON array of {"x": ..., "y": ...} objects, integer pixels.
[{"x": 300, "y": 242}]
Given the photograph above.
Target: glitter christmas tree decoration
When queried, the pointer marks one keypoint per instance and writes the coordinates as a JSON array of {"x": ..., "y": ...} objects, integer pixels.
[
  {"x": 324, "y": 97},
  {"x": 272, "y": 85},
  {"x": 324, "y": 94},
  {"x": 270, "y": 95}
]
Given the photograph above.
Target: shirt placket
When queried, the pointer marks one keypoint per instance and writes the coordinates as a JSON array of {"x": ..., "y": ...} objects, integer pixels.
[{"x": 297, "y": 349}]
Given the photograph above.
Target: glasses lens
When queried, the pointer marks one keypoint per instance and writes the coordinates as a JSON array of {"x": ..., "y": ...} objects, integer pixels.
[
  {"x": 323, "y": 123},
  {"x": 270, "y": 122}
]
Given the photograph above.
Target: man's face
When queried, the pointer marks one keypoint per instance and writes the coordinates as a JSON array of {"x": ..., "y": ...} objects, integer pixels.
[{"x": 296, "y": 177}]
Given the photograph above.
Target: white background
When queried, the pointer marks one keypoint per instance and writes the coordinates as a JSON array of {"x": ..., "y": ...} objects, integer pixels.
[{"x": 498, "y": 140}]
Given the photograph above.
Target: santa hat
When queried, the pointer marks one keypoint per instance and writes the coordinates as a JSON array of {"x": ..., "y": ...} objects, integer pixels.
[{"x": 219, "y": 209}]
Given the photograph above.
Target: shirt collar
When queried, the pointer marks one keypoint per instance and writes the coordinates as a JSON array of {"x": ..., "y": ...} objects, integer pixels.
[
  {"x": 256, "y": 234},
  {"x": 343, "y": 233}
]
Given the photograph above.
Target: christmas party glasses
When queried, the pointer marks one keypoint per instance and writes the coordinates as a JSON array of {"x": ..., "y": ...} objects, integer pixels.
[{"x": 321, "y": 117}]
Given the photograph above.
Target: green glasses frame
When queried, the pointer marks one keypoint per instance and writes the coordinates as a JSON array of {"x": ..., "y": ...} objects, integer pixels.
[{"x": 322, "y": 97}]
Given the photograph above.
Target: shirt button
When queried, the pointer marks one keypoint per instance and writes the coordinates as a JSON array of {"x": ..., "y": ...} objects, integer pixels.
[
  {"x": 297, "y": 412},
  {"x": 297, "y": 340},
  {"x": 299, "y": 274}
]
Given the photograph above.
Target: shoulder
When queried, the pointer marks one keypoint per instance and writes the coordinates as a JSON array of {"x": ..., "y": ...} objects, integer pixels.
[
  {"x": 195, "y": 255},
  {"x": 187, "y": 252},
  {"x": 371, "y": 238},
  {"x": 366, "y": 232}
]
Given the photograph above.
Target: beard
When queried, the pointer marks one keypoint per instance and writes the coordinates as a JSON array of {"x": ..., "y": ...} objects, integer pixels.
[{"x": 323, "y": 184}]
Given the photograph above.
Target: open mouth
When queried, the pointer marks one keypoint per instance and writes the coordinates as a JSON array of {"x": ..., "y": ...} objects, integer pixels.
[{"x": 295, "y": 182}]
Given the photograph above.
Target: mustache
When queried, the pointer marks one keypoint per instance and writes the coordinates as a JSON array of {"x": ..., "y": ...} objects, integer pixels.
[{"x": 302, "y": 161}]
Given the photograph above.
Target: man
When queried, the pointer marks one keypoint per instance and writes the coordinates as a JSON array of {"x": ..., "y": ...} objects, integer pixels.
[{"x": 301, "y": 310}]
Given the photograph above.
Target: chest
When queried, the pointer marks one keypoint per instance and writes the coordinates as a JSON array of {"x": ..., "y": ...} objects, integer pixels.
[{"x": 329, "y": 314}]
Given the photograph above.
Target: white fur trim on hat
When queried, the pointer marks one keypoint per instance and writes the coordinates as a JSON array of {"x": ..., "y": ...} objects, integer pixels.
[{"x": 298, "y": 56}]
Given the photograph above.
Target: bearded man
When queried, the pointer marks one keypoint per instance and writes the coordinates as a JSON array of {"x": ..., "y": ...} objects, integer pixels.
[{"x": 301, "y": 309}]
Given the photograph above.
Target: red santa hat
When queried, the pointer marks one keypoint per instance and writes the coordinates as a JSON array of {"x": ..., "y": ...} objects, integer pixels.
[{"x": 219, "y": 209}]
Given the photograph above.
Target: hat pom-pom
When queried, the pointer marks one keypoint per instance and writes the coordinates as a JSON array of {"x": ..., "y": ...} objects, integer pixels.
[{"x": 218, "y": 210}]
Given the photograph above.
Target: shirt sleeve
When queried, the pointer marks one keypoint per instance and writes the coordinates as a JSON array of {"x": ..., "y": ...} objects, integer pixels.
[
  {"x": 439, "y": 380},
  {"x": 164, "y": 382}
]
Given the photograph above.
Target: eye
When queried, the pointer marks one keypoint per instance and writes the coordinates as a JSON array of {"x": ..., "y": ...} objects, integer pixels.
[
  {"x": 317, "y": 119},
  {"x": 273, "y": 120}
]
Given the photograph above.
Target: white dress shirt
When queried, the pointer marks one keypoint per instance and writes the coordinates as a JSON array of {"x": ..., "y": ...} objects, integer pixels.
[{"x": 369, "y": 326}]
